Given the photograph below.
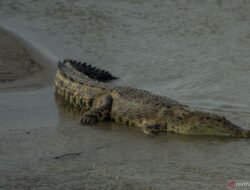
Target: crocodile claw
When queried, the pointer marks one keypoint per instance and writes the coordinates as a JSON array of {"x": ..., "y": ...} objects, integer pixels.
[
  {"x": 88, "y": 119},
  {"x": 152, "y": 129}
]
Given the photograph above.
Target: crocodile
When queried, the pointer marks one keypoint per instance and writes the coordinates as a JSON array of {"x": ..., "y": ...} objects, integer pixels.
[{"x": 88, "y": 88}]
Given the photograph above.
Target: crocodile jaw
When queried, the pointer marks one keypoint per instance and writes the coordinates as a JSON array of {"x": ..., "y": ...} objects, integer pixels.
[{"x": 201, "y": 123}]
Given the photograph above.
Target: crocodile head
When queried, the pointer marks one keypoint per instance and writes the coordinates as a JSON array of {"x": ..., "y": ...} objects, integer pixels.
[{"x": 200, "y": 123}]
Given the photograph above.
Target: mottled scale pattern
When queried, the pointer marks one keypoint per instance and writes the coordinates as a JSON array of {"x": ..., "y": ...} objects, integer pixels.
[
  {"x": 145, "y": 97},
  {"x": 140, "y": 107},
  {"x": 82, "y": 86},
  {"x": 74, "y": 93}
]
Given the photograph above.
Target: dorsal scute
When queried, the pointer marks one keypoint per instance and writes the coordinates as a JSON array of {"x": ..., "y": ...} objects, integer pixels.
[{"x": 87, "y": 70}]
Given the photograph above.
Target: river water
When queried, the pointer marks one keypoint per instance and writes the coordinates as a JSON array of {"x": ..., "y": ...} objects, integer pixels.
[{"x": 193, "y": 51}]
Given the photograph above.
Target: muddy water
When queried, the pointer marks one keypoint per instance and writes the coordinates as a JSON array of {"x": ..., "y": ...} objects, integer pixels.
[{"x": 196, "y": 52}]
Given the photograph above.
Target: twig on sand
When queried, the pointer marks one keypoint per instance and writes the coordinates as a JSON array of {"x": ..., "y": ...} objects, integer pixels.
[{"x": 68, "y": 154}]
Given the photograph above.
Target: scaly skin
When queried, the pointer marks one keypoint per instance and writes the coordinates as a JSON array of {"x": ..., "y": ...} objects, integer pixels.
[{"x": 80, "y": 85}]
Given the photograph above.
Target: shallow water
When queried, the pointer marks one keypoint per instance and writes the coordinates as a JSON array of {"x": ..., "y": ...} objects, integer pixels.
[{"x": 196, "y": 52}]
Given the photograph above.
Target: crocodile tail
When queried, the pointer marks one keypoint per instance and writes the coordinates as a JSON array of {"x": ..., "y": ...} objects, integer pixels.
[{"x": 86, "y": 69}]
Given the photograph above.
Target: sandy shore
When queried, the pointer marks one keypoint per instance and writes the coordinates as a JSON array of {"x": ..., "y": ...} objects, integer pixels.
[{"x": 18, "y": 69}]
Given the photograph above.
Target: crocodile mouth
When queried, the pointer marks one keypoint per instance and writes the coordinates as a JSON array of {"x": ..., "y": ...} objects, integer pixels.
[
  {"x": 211, "y": 130},
  {"x": 221, "y": 129}
]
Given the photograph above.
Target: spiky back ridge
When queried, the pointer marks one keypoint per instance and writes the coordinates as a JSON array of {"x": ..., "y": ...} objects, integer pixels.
[{"x": 90, "y": 71}]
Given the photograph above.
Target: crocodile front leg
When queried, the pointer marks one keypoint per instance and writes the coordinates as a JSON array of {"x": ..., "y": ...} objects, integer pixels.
[{"x": 100, "y": 110}]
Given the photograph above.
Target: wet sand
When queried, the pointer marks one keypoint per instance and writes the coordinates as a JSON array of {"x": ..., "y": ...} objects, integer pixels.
[
  {"x": 18, "y": 68},
  {"x": 196, "y": 52}
]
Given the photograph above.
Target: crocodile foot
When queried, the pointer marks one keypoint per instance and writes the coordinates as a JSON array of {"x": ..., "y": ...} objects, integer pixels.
[
  {"x": 152, "y": 129},
  {"x": 88, "y": 119}
]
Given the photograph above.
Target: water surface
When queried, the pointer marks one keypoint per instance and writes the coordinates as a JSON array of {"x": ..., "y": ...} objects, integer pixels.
[{"x": 196, "y": 52}]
